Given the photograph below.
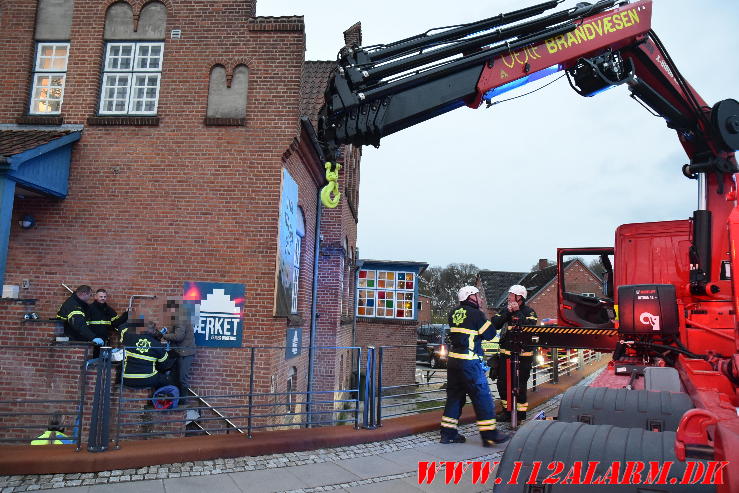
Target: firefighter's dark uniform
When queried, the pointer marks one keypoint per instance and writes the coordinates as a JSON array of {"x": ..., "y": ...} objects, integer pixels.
[
  {"x": 102, "y": 318},
  {"x": 466, "y": 372},
  {"x": 525, "y": 315},
  {"x": 74, "y": 312},
  {"x": 145, "y": 361}
]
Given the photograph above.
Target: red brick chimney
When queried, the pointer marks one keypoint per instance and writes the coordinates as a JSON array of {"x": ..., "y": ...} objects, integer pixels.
[
  {"x": 353, "y": 35},
  {"x": 543, "y": 263}
]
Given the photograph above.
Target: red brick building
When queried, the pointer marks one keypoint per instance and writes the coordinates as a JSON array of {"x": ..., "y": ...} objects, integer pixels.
[
  {"x": 541, "y": 285},
  {"x": 181, "y": 126}
]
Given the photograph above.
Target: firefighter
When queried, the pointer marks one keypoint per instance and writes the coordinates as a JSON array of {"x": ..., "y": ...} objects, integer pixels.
[
  {"x": 466, "y": 371},
  {"x": 54, "y": 434},
  {"x": 74, "y": 312},
  {"x": 146, "y": 359},
  {"x": 515, "y": 313},
  {"x": 102, "y": 318}
]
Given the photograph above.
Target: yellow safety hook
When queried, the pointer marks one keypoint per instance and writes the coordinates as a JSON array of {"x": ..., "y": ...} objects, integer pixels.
[{"x": 332, "y": 188}]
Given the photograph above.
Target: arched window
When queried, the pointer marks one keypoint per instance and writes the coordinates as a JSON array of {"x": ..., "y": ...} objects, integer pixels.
[
  {"x": 133, "y": 60},
  {"x": 53, "y": 27},
  {"x": 292, "y": 386},
  {"x": 299, "y": 234}
]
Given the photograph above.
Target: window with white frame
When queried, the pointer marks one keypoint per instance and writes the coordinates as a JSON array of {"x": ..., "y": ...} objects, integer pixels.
[
  {"x": 131, "y": 78},
  {"x": 386, "y": 294},
  {"x": 49, "y": 76},
  {"x": 299, "y": 234}
]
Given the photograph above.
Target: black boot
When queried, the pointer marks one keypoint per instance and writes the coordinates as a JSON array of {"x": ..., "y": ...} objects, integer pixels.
[
  {"x": 490, "y": 439},
  {"x": 521, "y": 416},
  {"x": 452, "y": 438},
  {"x": 504, "y": 417}
]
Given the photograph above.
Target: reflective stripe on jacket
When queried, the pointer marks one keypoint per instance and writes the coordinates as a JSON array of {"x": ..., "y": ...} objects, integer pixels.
[
  {"x": 144, "y": 355},
  {"x": 525, "y": 315},
  {"x": 468, "y": 327},
  {"x": 74, "y": 313}
]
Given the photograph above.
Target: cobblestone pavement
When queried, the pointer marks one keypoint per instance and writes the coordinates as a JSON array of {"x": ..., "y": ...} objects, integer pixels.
[{"x": 13, "y": 484}]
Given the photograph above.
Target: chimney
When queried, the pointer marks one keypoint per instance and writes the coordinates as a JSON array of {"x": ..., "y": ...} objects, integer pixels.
[
  {"x": 353, "y": 35},
  {"x": 543, "y": 263}
]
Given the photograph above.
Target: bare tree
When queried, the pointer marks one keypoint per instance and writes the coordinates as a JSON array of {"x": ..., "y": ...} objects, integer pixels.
[{"x": 441, "y": 285}]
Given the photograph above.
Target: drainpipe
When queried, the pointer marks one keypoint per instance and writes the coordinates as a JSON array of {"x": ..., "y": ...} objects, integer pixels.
[
  {"x": 357, "y": 266},
  {"x": 313, "y": 309}
]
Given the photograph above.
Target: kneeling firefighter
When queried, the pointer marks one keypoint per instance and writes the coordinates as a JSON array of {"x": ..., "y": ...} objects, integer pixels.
[
  {"x": 466, "y": 371},
  {"x": 515, "y": 313},
  {"x": 146, "y": 360}
]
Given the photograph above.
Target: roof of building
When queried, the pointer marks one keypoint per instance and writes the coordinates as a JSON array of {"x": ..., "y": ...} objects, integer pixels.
[
  {"x": 312, "y": 86},
  {"x": 14, "y": 142},
  {"x": 399, "y": 263},
  {"x": 495, "y": 284},
  {"x": 536, "y": 280}
]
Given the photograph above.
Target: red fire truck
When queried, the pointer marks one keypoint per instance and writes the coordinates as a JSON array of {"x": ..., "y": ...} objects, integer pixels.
[{"x": 669, "y": 308}]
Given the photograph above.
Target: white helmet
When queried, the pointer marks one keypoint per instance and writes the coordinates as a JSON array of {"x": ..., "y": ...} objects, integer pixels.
[
  {"x": 466, "y": 292},
  {"x": 517, "y": 289}
]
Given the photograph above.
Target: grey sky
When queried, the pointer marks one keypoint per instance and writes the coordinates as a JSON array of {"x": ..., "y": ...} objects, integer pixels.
[{"x": 505, "y": 186}]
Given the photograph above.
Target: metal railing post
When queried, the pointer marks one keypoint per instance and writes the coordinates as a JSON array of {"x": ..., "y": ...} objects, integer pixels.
[
  {"x": 356, "y": 402},
  {"x": 366, "y": 418},
  {"x": 379, "y": 388},
  {"x": 555, "y": 365},
  {"x": 120, "y": 408},
  {"x": 251, "y": 394},
  {"x": 99, "y": 421},
  {"x": 81, "y": 403},
  {"x": 580, "y": 358}
]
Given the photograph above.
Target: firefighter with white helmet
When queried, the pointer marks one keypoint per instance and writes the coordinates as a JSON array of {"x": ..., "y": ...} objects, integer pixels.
[
  {"x": 466, "y": 371},
  {"x": 514, "y": 313}
]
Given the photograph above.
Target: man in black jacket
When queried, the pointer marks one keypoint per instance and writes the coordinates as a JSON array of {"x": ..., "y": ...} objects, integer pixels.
[
  {"x": 102, "y": 318},
  {"x": 74, "y": 312},
  {"x": 515, "y": 313},
  {"x": 466, "y": 372}
]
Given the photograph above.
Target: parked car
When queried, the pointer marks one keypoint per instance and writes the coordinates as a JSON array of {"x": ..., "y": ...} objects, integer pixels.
[{"x": 431, "y": 345}]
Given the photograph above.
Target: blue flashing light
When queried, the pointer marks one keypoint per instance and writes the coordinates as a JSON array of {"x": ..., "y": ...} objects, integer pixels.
[
  {"x": 521, "y": 82},
  {"x": 602, "y": 89}
]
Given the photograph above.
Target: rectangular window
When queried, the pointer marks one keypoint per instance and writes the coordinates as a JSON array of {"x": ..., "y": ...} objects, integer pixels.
[
  {"x": 131, "y": 78},
  {"x": 296, "y": 273},
  {"x": 49, "y": 76},
  {"x": 386, "y": 294}
]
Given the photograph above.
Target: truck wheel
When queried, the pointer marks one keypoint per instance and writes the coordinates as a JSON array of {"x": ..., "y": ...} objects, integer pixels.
[{"x": 559, "y": 446}]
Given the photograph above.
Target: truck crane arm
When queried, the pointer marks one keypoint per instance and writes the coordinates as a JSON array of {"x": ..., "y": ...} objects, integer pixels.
[{"x": 379, "y": 90}]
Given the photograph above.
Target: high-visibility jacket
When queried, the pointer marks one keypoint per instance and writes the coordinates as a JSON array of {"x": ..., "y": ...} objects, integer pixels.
[
  {"x": 102, "y": 318},
  {"x": 145, "y": 355},
  {"x": 74, "y": 313},
  {"x": 525, "y": 315},
  {"x": 468, "y": 327},
  {"x": 51, "y": 437}
]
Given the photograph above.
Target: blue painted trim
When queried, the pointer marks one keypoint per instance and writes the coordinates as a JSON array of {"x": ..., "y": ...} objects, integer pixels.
[
  {"x": 7, "y": 192},
  {"x": 17, "y": 159}
]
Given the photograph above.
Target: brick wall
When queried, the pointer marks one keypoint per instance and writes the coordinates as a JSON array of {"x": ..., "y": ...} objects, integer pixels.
[
  {"x": 399, "y": 363},
  {"x": 150, "y": 207}
]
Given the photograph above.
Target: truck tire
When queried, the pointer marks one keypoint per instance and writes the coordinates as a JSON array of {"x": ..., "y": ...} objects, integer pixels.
[
  {"x": 653, "y": 411},
  {"x": 550, "y": 441}
]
